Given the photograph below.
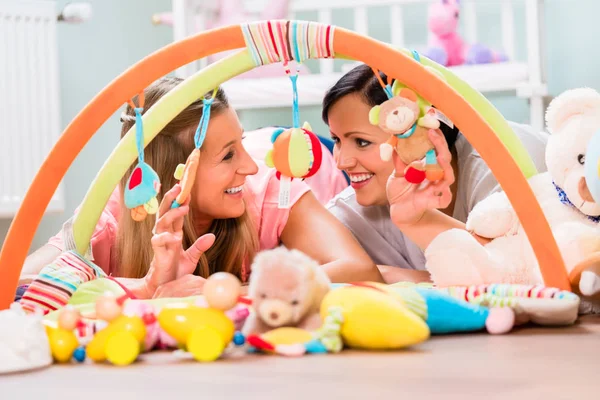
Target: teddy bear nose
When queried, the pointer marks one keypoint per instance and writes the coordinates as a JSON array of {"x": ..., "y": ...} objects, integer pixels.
[
  {"x": 274, "y": 315},
  {"x": 395, "y": 112}
]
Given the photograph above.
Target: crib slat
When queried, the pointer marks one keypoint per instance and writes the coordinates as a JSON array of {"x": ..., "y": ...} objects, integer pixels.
[
  {"x": 397, "y": 25},
  {"x": 532, "y": 11},
  {"x": 508, "y": 28},
  {"x": 310, "y": 5},
  {"x": 469, "y": 14},
  {"x": 183, "y": 25},
  {"x": 361, "y": 20},
  {"x": 326, "y": 65}
]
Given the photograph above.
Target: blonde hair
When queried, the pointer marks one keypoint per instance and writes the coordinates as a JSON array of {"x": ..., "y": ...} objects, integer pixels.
[{"x": 236, "y": 239}]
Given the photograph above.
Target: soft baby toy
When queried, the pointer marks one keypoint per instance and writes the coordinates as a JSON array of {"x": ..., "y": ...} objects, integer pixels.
[
  {"x": 408, "y": 119},
  {"x": 456, "y": 258},
  {"x": 446, "y": 46},
  {"x": 23, "y": 341},
  {"x": 286, "y": 288},
  {"x": 296, "y": 153}
]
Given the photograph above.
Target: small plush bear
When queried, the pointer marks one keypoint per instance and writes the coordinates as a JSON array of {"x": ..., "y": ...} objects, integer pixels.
[
  {"x": 408, "y": 124},
  {"x": 286, "y": 288}
]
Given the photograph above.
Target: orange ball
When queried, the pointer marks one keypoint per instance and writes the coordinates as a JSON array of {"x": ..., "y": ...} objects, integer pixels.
[
  {"x": 68, "y": 318},
  {"x": 107, "y": 308},
  {"x": 222, "y": 291}
]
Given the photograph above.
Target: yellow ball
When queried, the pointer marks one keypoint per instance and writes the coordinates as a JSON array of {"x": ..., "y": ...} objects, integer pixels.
[
  {"x": 62, "y": 344},
  {"x": 122, "y": 348},
  {"x": 205, "y": 344},
  {"x": 179, "y": 321}
]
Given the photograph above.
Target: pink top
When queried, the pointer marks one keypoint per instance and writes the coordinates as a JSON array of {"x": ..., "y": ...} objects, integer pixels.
[{"x": 261, "y": 191}]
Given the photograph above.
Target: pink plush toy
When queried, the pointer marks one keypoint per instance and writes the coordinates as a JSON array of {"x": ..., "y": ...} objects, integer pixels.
[{"x": 446, "y": 46}]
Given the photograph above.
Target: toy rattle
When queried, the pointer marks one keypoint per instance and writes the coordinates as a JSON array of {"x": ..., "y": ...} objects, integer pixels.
[
  {"x": 144, "y": 184},
  {"x": 186, "y": 173},
  {"x": 204, "y": 332},
  {"x": 408, "y": 119},
  {"x": 296, "y": 152}
]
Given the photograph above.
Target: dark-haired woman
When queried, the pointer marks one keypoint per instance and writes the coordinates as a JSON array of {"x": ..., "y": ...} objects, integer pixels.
[{"x": 392, "y": 219}]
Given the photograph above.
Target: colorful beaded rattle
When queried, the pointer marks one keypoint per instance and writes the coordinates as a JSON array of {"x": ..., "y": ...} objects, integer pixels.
[{"x": 296, "y": 152}]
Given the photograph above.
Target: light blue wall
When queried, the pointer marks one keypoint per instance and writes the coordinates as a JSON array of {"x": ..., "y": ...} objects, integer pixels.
[
  {"x": 120, "y": 33},
  {"x": 91, "y": 55}
]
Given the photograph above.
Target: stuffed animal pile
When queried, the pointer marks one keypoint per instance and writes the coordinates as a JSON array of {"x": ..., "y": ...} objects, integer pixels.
[{"x": 573, "y": 118}]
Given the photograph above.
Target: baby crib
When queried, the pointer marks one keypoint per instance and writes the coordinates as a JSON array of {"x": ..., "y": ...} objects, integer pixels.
[{"x": 521, "y": 78}]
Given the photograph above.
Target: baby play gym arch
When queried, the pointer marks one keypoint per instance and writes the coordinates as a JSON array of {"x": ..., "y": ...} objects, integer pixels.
[{"x": 262, "y": 43}]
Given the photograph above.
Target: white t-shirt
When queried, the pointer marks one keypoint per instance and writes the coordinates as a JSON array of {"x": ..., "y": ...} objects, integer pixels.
[{"x": 386, "y": 244}]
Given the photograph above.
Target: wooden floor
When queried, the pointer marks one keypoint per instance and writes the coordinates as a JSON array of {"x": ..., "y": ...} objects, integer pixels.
[{"x": 530, "y": 363}]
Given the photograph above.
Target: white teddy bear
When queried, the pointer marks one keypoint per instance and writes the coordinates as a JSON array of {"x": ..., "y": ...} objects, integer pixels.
[{"x": 456, "y": 258}]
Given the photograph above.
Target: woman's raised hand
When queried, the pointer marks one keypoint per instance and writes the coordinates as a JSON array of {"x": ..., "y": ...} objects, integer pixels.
[
  {"x": 408, "y": 201},
  {"x": 171, "y": 261}
]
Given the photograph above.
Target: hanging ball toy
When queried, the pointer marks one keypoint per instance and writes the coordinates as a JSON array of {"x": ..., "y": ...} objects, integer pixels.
[
  {"x": 222, "y": 291},
  {"x": 296, "y": 152}
]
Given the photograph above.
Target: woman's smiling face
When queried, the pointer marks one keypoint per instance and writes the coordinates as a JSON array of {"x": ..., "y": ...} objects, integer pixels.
[{"x": 356, "y": 149}]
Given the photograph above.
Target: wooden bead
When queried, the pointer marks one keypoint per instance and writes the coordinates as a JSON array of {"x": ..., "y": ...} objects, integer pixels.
[
  {"x": 107, "y": 308},
  {"x": 68, "y": 318},
  {"x": 222, "y": 290}
]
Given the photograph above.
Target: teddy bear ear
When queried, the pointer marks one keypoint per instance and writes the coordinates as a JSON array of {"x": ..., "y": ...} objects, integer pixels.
[
  {"x": 374, "y": 115},
  {"x": 408, "y": 94},
  {"x": 573, "y": 102}
]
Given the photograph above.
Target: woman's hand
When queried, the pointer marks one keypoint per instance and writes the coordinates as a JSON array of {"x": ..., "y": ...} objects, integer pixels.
[
  {"x": 170, "y": 261},
  {"x": 408, "y": 202},
  {"x": 187, "y": 285}
]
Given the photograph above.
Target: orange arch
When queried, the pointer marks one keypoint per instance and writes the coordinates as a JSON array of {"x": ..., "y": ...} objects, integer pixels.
[{"x": 370, "y": 51}]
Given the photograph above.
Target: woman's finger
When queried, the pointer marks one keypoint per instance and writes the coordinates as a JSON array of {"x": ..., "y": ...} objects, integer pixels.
[
  {"x": 399, "y": 165},
  {"x": 448, "y": 171},
  {"x": 200, "y": 246},
  {"x": 172, "y": 220},
  {"x": 165, "y": 204},
  {"x": 441, "y": 146},
  {"x": 165, "y": 239}
]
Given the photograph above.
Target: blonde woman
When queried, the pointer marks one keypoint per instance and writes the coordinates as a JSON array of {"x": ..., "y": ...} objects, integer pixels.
[{"x": 232, "y": 215}]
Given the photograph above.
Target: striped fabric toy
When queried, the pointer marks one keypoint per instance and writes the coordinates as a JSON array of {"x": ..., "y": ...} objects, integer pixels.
[
  {"x": 283, "y": 41},
  {"x": 56, "y": 283},
  {"x": 506, "y": 294}
]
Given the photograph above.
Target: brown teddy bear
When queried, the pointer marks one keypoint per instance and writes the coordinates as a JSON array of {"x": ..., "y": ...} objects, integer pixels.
[
  {"x": 286, "y": 288},
  {"x": 408, "y": 125}
]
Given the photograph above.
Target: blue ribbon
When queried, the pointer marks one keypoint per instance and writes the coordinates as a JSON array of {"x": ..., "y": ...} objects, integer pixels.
[
  {"x": 139, "y": 133},
  {"x": 295, "y": 107},
  {"x": 203, "y": 125},
  {"x": 565, "y": 200}
]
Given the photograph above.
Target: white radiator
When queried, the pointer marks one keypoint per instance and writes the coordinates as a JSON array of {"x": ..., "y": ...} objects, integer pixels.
[{"x": 29, "y": 98}]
